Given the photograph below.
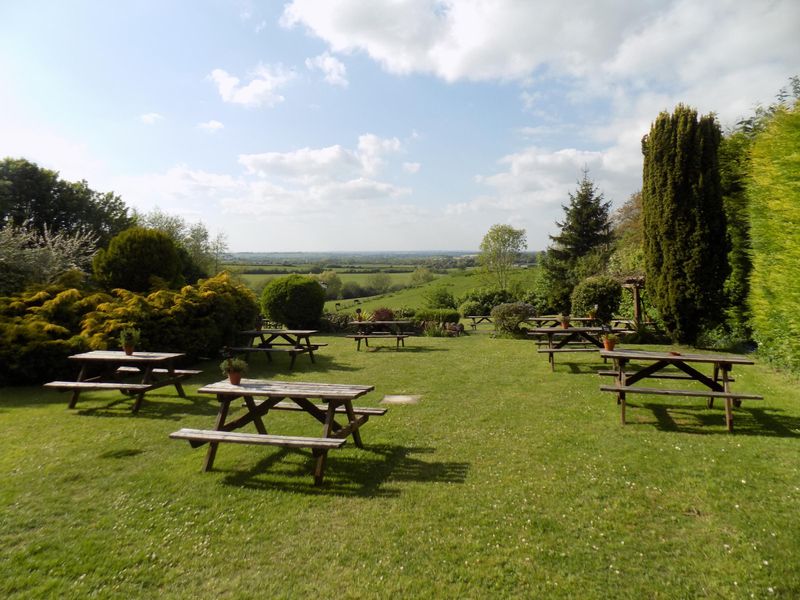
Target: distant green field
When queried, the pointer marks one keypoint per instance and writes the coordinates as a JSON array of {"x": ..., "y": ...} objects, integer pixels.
[
  {"x": 458, "y": 283},
  {"x": 256, "y": 282}
]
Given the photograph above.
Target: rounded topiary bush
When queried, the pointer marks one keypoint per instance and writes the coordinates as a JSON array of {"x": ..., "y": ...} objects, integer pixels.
[
  {"x": 296, "y": 301},
  {"x": 470, "y": 308},
  {"x": 138, "y": 259},
  {"x": 509, "y": 316},
  {"x": 599, "y": 295}
]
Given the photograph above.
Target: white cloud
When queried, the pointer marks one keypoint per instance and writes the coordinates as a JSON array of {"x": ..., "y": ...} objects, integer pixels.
[
  {"x": 260, "y": 27},
  {"x": 411, "y": 167},
  {"x": 261, "y": 90},
  {"x": 211, "y": 126},
  {"x": 150, "y": 118},
  {"x": 334, "y": 70}
]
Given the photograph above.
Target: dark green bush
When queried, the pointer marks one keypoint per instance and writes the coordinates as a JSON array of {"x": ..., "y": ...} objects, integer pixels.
[
  {"x": 437, "y": 315},
  {"x": 296, "y": 301},
  {"x": 486, "y": 299},
  {"x": 600, "y": 295},
  {"x": 439, "y": 297},
  {"x": 140, "y": 260},
  {"x": 470, "y": 308},
  {"x": 509, "y": 316},
  {"x": 335, "y": 322}
]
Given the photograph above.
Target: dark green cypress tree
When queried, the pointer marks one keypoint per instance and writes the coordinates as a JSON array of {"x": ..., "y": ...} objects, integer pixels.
[{"x": 685, "y": 241}]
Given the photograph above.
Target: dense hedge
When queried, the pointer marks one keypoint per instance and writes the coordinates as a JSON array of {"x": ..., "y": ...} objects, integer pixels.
[
  {"x": 774, "y": 198},
  {"x": 482, "y": 301},
  {"x": 138, "y": 259},
  {"x": 297, "y": 301},
  {"x": 38, "y": 331},
  {"x": 600, "y": 295},
  {"x": 437, "y": 315}
]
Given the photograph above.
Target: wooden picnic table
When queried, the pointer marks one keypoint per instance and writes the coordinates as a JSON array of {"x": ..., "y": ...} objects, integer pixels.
[
  {"x": 555, "y": 320},
  {"x": 392, "y": 329},
  {"x": 655, "y": 364},
  {"x": 269, "y": 341},
  {"x": 106, "y": 369},
  {"x": 478, "y": 319},
  {"x": 262, "y": 396},
  {"x": 571, "y": 339}
]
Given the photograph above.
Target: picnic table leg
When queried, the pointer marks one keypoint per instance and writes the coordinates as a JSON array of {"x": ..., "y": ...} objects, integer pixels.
[
  {"x": 726, "y": 385},
  {"x": 75, "y": 393},
  {"x": 293, "y": 356},
  {"x": 251, "y": 406},
  {"x": 224, "y": 405},
  {"x": 621, "y": 382},
  {"x": 351, "y": 416},
  {"x": 321, "y": 457}
]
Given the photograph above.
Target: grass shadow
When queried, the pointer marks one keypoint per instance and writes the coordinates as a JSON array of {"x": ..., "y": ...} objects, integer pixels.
[
  {"x": 700, "y": 420},
  {"x": 261, "y": 365},
  {"x": 363, "y": 474},
  {"x": 173, "y": 410}
]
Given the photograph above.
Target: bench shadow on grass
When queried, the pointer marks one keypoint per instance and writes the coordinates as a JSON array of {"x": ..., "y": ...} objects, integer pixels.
[
  {"x": 582, "y": 368},
  {"x": 164, "y": 407},
  {"x": 364, "y": 473},
  {"x": 700, "y": 420}
]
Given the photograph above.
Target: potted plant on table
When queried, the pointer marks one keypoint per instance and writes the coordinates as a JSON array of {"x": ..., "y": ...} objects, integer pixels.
[
  {"x": 234, "y": 368},
  {"x": 128, "y": 338},
  {"x": 564, "y": 319},
  {"x": 609, "y": 340}
]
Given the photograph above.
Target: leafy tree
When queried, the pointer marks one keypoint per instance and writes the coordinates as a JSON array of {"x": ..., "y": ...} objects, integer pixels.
[
  {"x": 439, "y": 297},
  {"x": 138, "y": 259},
  {"x": 500, "y": 250},
  {"x": 379, "y": 282},
  {"x": 28, "y": 258},
  {"x": 198, "y": 253},
  {"x": 421, "y": 275},
  {"x": 332, "y": 283},
  {"x": 37, "y": 198},
  {"x": 774, "y": 207},
  {"x": 684, "y": 223}
]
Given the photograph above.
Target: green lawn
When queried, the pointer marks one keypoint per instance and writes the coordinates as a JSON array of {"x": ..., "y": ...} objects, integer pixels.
[{"x": 506, "y": 480}]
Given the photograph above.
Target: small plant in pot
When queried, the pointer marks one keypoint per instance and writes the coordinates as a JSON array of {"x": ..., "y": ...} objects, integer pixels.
[
  {"x": 128, "y": 339},
  {"x": 234, "y": 368},
  {"x": 564, "y": 319},
  {"x": 609, "y": 340}
]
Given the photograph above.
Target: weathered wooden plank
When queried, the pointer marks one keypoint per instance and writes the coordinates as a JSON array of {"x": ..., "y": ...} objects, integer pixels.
[
  {"x": 234, "y": 437},
  {"x": 630, "y": 389},
  {"x": 654, "y": 375},
  {"x": 359, "y": 410},
  {"x": 97, "y": 385}
]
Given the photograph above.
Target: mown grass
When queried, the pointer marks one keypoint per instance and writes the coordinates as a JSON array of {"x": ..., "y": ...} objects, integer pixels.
[{"x": 506, "y": 480}]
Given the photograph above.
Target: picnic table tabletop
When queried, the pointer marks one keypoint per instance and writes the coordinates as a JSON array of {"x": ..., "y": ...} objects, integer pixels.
[
  {"x": 105, "y": 369},
  {"x": 676, "y": 357}
]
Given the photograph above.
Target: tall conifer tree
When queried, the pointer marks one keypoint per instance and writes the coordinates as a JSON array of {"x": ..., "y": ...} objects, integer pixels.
[
  {"x": 685, "y": 243},
  {"x": 582, "y": 245}
]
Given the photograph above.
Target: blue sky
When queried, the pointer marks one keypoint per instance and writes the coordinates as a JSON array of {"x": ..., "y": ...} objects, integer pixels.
[{"x": 336, "y": 125}]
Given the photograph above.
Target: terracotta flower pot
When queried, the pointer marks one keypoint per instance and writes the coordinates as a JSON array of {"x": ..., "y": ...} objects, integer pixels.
[
  {"x": 235, "y": 377},
  {"x": 128, "y": 350},
  {"x": 565, "y": 324},
  {"x": 609, "y": 344}
]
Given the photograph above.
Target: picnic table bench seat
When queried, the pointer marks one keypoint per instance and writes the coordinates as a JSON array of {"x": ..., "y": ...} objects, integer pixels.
[
  {"x": 203, "y": 436},
  {"x": 398, "y": 337},
  {"x": 97, "y": 385},
  {"x": 566, "y": 349},
  {"x": 291, "y": 349},
  {"x": 632, "y": 389},
  {"x": 657, "y": 375}
]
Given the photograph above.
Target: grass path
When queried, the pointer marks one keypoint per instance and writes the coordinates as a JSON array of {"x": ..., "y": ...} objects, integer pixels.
[{"x": 505, "y": 481}]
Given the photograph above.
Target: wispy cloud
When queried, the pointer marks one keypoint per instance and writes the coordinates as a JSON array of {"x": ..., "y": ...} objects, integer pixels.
[
  {"x": 333, "y": 69},
  {"x": 211, "y": 126},
  {"x": 151, "y": 118},
  {"x": 261, "y": 89},
  {"x": 411, "y": 167}
]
